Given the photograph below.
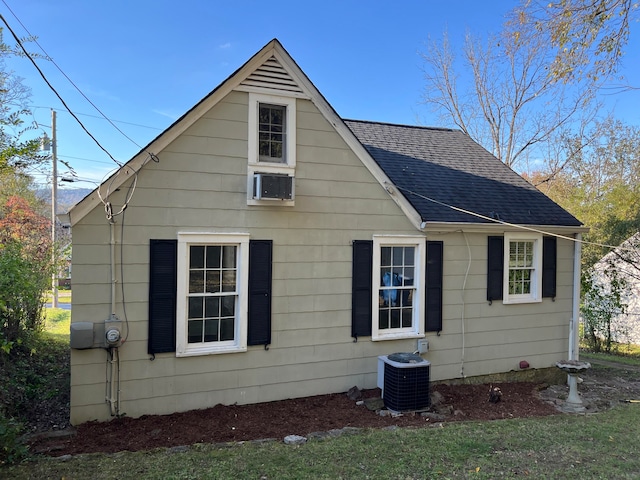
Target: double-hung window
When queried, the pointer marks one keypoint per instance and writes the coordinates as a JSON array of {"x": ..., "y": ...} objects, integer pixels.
[
  {"x": 398, "y": 285},
  {"x": 212, "y": 293},
  {"x": 523, "y": 268}
]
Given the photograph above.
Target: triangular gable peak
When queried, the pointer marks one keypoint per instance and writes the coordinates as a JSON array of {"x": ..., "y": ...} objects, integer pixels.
[
  {"x": 271, "y": 75},
  {"x": 271, "y": 70}
]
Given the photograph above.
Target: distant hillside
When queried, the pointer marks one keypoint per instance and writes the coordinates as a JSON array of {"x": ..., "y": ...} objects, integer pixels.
[{"x": 67, "y": 197}]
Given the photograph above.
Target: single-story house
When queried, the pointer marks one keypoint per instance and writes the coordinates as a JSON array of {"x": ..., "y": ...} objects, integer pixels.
[{"x": 264, "y": 248}]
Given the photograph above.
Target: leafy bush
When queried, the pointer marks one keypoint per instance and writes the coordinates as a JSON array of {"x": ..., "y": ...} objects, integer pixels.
[
  {"x": 36, "y": 370},
  {"x": 12, "y": 448},
  {"x": 604, "y": 295},
  {"x": 23, "y": 279},
  {"x": 34, "y": 390},
  {"x": 26, "y": 267}
]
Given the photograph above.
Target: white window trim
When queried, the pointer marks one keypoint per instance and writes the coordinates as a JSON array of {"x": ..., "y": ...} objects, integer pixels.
[
  {"x": 255, "y": 166},
  {"x": 536, "y": 284},
  {"x": 185, "y": 349},
  {"x": 417, "y": 329},
  {"x": 255, "y": 99}
]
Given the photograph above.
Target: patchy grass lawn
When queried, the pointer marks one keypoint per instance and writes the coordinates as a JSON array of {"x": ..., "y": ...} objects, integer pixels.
[
  {"x": 57, "y": 323},
  {"x": 596, "y": 446},
  {"x": 628, "y": 354},
  {"x": 563, "y": 446},
  {"x": 624, "y": 359}
]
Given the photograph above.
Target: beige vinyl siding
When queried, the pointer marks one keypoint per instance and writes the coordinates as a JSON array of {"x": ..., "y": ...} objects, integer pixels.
[
  {"x": 496, "y": 336},
  {"x": 199, "y": 185}
]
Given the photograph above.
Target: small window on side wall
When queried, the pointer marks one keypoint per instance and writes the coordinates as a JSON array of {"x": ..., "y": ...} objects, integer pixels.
[
  {"x": 522, "y": 281},
  {"x": 272, "y": 131}
]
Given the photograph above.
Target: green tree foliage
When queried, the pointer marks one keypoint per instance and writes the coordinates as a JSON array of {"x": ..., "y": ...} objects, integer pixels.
[
  {"x": 25, "y": 246},
  {"x": 25, "y": 268},
  {"x": 604, "y": 293},
  {"x": 589, "y": 36},
  {"x": 601, "y": 187},
  {"x": 17, "y": 153}
]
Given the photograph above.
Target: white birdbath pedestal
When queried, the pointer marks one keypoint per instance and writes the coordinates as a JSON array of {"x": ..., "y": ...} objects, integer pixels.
[{"x": 573, "y": 404}]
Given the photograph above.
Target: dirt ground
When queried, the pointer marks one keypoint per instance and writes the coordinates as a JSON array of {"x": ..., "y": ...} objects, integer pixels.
[{"x": 603, "y": 387}]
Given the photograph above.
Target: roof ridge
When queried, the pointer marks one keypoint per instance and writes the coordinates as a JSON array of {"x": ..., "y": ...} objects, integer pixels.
[{"x": 421, "y": 127}]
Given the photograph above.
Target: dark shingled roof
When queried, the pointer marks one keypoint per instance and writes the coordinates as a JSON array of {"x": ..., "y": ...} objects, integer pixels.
[{"x": 448, "y": 166}]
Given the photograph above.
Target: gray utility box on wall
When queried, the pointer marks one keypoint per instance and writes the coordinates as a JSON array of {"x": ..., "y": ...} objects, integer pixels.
[
  {"x": 404, "y": 381},
  {"x": 81, "y": 335},
  {"x": 106, "y": 334}
]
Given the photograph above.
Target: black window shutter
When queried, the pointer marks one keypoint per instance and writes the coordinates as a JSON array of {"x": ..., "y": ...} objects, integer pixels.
[
  {"x": 434, "y": 276},
  {"x": 549, "y": 256},
  {"x": 495, "y": 268},
  {"x": 162, "y": 296},
  {"x": 361, "y": 294},
  {"x": 259, "y": 309}
]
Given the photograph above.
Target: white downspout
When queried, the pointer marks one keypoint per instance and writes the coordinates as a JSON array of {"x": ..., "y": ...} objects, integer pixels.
[{"x": 575, "y": 317}]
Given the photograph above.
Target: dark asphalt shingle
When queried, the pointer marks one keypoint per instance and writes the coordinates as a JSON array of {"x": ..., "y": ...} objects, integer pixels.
[{"x": 448, "y": 166}]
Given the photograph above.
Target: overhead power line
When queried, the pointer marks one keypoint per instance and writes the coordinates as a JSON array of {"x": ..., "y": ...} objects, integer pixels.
[
  {"x": 508, "y": 224},
  {"x": 65, "y": 76},
  {"x": 104, "y": 118},
  {"x": 26, "y": 53}
]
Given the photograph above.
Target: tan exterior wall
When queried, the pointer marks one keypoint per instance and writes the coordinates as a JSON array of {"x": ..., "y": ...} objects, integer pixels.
[
  {"x": 478, "y": 338},
  {"x": 199, "y": 185}
]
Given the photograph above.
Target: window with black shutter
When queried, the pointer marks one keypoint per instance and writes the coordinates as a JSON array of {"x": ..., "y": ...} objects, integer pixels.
[
  {"x": 521, "y": 267},
  {"x": 388, "y": 288},
  {"x": 216, "y": 274}
]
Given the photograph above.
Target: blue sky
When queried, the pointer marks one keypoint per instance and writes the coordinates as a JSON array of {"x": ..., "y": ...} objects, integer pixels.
[{"x": 144, "y": 63}]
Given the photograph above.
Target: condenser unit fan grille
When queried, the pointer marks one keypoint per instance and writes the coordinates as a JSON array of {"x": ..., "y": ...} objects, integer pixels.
[{"x": 405, "y": 386}]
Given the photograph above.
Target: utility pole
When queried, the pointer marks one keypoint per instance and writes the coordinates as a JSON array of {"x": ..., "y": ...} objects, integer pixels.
[{"x": 54, "y": 205}]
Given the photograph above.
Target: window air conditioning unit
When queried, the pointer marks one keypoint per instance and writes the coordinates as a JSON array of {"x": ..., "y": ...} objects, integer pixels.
[
  {"x": 272, "y": 186},
  {"x": 404, "y": 381}
]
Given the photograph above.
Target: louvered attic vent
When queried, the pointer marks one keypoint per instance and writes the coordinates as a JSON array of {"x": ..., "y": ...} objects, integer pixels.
[{"x": 272, "y": 187}]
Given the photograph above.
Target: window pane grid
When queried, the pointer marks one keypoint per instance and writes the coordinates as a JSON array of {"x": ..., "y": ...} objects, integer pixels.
[
  {"x": 271, "y": 133},
  {"x": 521, "y": 267},
  {"x": 396, "y": 288},
  {"x": 211, "y": 303}
]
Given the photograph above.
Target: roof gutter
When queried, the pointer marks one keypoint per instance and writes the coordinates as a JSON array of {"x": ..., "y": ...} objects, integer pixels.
[{"x": 449, "y": 227}]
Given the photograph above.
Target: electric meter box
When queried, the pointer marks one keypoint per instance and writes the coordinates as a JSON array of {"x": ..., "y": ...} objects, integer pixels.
[
  {"x": 81, "y": 335},
  {"x": 112, "y": 332}
]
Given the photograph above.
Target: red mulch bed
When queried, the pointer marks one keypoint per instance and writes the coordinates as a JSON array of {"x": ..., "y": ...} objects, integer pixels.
[{"x": 287, "y": 417}]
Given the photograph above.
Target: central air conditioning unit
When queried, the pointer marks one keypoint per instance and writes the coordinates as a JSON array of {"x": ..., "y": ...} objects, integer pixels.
[
  {"x": 272, "y": 186},
  {"x": 404, "y": 381}
]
